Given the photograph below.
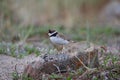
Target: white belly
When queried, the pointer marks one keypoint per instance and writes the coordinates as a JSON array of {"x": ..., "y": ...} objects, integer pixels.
[{"x": 58, "y": 40}]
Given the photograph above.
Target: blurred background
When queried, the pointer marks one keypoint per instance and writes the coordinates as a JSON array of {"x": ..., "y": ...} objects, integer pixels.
[
  {"x": 24, "y": 25},
  {"x": 95, "y": 20}
]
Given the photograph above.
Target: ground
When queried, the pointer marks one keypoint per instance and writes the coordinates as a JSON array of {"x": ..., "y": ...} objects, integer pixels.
[{"x": 8, "y": 65}]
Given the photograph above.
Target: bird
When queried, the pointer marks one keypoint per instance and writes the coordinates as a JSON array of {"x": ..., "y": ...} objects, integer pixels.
[{"x": 58, "y": 40}]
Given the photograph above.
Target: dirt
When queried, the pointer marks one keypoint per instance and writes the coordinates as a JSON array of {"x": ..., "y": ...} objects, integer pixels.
[{"x": 9, "y": 64}]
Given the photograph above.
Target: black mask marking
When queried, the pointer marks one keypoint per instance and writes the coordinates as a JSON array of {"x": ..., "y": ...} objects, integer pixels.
[{"x": 54, "y": 34}]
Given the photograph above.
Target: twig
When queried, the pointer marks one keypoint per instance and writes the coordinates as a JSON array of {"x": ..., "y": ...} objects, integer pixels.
[
  {"x": 82, "y": 63},
  {"x": 57, "y": 68}
]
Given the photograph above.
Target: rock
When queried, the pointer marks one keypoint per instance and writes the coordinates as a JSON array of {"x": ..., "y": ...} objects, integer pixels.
[{"x": 74, "y": 56}]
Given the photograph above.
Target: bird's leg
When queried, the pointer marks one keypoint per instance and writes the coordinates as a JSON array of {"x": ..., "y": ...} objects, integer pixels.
[{"x": 59, "y": 48}]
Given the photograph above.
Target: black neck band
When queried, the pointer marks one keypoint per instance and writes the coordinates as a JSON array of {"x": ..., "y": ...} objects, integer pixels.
[{"x": 54, "y": 34}]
